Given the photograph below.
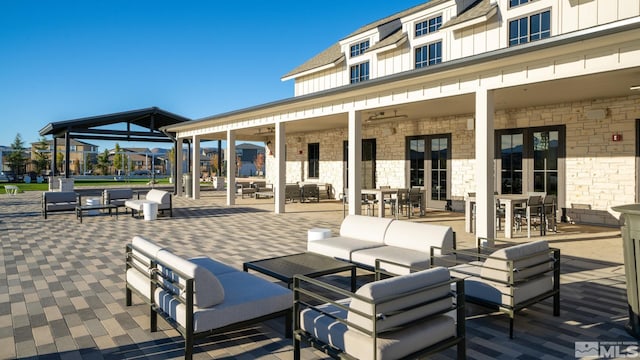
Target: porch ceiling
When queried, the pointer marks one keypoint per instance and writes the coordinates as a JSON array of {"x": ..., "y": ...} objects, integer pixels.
[{"x": 580, "y": 88}]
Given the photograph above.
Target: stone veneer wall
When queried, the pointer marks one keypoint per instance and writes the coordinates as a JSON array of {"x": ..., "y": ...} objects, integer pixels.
[{"x": 599, "y": 172}]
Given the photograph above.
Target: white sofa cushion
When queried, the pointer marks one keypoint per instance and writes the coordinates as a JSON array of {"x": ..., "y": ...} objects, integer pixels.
[
  {"x": 419, "y": 236},
  {"x": 136, "y": 279},
  {"x": 161, "y": 197},
  {"x": 378, "y": 292},
  {"x": 367, "y": 228},
  {"x": 246, "y": 297},
  {"x": 417, "y": 260},
  {"x": 340, "y": 247},
  {"x": 497, "y": 267},
  {"x": 215, "y": 267},
  {"x": 207, "y": 289}
]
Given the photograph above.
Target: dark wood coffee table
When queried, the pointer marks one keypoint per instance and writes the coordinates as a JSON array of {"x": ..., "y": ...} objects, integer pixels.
[
  {"x": 308, "y": 264},
  {"x": 81, "y": 208}
]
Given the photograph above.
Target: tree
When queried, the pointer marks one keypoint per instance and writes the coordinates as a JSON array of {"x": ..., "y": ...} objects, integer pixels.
[
  {"x": 40, "y": 157},
  {"x": 118, "y": 158},
  {"x": 214, "y": 164},
  {"x": 103, "y": 162},
  {"x": 259, "y": 163},
  {"x": 171, "y": 157},
  {"x": 60, "y": 162},
  {"x": 16, "y": 159}
]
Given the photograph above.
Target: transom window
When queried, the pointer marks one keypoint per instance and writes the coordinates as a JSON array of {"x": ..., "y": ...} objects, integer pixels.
[
  {"x": 530, "y": 28},
  {"x": 513, "y": 3},
  {"x": 359, "y": 48},
  {"x": 360, "y": 72},
  {"x": 429, "y": 55},
  {"x": 428, "y": 26}
]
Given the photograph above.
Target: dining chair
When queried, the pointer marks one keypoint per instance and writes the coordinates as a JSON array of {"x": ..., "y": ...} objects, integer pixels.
[{"x": 533, "y": 210}]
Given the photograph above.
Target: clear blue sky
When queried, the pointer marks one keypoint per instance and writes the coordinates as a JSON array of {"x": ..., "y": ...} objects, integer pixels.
[{"x": 62, "y": 60}]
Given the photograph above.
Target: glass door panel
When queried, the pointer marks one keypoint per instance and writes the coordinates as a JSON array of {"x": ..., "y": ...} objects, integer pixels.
[{"x": 511, "y": 154}]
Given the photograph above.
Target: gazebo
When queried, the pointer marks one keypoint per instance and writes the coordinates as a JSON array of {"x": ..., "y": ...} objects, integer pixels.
[{"x": 146, "y": 128}]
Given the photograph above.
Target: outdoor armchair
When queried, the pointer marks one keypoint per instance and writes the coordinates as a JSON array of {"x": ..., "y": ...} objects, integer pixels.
[
  {"x": 510, "y": 278},
  {"x": 399, "y": 317}
]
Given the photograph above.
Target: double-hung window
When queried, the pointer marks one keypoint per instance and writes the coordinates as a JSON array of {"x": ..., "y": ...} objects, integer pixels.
[
  {"x": 314, "y": 160},
  {"x": 360, "y": 72},
  {"x": 359, "y": 48},
  {"x": 530, "y": 28},
  {"x": 430, "y": 54},
  {"x": 428, "y": 26}
]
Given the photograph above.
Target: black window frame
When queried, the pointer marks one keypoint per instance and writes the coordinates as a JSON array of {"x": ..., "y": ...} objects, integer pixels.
[
  {"x": 359, "y": 48},
  {"x": 425, "y": 52},
  {"x": 527, "y": 22},
  {"x": 361, "y": 72},
  {"x": 313, "y": 160},
  {"x": 428, "y": 26}
]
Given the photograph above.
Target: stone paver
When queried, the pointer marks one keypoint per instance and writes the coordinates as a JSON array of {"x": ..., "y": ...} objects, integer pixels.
[{"x": 62, "y": 282}]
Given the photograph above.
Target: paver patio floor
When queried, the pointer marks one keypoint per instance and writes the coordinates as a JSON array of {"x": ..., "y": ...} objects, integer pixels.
[{"x": 62, "y": 282}]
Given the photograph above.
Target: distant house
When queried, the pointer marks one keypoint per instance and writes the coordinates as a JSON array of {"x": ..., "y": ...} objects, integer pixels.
[{"x": 82, "y": 155}]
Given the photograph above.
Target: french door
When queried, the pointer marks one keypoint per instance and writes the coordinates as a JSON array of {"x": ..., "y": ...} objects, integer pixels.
[
  {"x": 429, "y": 158},
  {"x": 531, "y": 160}
]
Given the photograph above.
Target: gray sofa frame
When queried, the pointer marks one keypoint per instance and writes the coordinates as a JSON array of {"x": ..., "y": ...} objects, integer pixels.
[{"x": 55, "y": 201}]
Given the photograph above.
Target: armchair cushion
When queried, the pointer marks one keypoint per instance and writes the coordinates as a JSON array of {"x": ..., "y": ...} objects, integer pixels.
[
  {"x": 379, "y": 292},
  {"x": 163, "y": 198},
  {"x": 417, "y": 236},
  {"x": 207, "y": 289},
  {"x": 528, "y": 259}
]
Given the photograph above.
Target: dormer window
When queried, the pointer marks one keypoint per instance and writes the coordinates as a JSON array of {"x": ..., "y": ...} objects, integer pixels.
[
  {"x": 513, "y": 3},
  {"x": 428, "y": 26},
  {"x": 359, "y": 48}
]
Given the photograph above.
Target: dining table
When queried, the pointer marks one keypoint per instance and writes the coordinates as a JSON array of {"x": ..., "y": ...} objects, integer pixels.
[
  {"x": 509, "y": 201},
  {"x": 380, "y": 194}
]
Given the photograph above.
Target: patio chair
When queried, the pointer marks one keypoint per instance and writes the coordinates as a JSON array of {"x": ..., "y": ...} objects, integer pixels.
[
  {"x": 310, "y": 192},
  {"x": 511, "y": 278},
  {"x": 532, "y": 214},
  {"x": 549, "y": 206},
  {"x": 406, "y": 316},
  {"x": 292, "y": 192}
]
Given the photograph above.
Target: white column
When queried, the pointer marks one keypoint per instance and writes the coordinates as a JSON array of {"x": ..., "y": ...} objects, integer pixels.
[
  {"x": 195, "y": 168},
  {"x": 179, "y": 160},
  {"x": 485, "y": 200},
  {"x": 354, "y": 181},
  {"x": 231, "y": 167},
  {"x": 281, "y": 169}
]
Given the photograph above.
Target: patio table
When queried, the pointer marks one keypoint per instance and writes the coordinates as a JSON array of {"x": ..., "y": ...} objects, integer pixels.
[
  {"x": 509, "y": 201},
  {"x": 380, "y": 193}
]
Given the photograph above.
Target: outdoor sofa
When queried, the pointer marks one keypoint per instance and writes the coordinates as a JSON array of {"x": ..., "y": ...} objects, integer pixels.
[
  {"x": 200, "y": 296},
  {"x": 117, "y": 197},
  {"x": 160, "y": 197},
  {"x": 511, "y": 278},
  {"x": 363, "y": 239},
  {"x": 54, "y": 201},
  {"x": 407, "y": 316}
]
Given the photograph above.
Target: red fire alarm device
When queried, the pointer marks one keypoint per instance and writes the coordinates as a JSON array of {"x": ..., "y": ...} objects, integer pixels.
[{"x": 616, "y": 137}]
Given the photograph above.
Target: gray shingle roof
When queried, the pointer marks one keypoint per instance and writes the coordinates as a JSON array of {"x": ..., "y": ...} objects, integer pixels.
[
  {"x": 477, "y": 10},
  {"x": 333, "y": 54}
]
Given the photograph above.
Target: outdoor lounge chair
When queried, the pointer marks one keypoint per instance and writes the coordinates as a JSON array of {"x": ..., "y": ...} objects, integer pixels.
[
  {"x": 400, "y": 317},
  {"x": 511, "y": 278}
]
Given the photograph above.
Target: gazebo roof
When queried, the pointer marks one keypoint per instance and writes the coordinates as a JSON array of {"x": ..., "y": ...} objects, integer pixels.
[{"x": 89, "y": 127}]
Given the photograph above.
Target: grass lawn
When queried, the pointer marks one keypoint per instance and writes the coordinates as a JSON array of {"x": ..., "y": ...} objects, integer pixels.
[{"x": 80, "y": 183}]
